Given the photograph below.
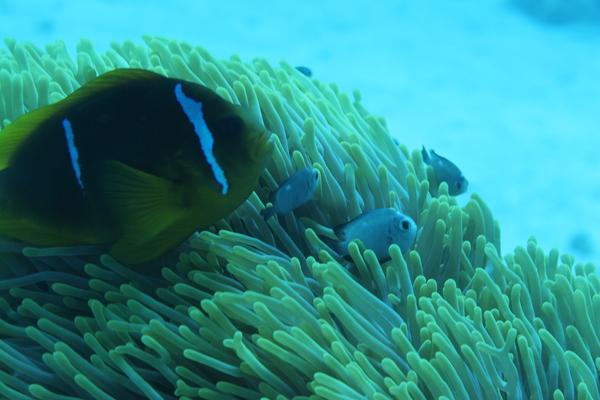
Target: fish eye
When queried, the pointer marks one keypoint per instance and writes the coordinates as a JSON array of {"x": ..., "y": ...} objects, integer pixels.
[{"x": 405, "y": 225}]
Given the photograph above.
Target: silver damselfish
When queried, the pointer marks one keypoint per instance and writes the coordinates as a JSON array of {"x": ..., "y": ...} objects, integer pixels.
[
  {"x": 446, "y": 171},
  {"x": 377, "y": 229},
  {"x": 295, "y": 191}
]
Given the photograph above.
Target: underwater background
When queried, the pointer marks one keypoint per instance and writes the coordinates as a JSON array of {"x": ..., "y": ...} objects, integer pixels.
[{"x": 508, "y": 90}]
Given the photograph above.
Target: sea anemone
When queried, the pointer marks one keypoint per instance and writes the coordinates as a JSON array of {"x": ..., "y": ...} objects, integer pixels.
[{"x": 253, "y": 309}]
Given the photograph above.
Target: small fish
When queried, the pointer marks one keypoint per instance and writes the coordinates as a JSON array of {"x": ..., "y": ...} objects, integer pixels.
[
  {"x": 377, "y": 229},
  {"x": 304, "y": 71},
  {"x": 295, "y": 191},
  {"x": 131, "y": 160},
  {"x": 446, "y": 171}
]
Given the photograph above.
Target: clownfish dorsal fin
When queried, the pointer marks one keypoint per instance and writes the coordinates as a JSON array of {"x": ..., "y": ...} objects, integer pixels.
[
  {"x": 107, "y": 81},
  {"x": 15, "y": 134}
]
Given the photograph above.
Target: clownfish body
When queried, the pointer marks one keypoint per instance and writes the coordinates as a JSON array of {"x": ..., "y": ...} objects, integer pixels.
[{"x": 133, "y": 160}]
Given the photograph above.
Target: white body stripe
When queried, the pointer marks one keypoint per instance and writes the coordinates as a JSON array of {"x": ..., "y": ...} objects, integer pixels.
[
  {"x": 193, "y": 110},
  {"x": 73, "y": 153}
]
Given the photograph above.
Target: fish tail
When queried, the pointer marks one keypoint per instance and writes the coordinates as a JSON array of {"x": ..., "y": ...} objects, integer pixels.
[
  {"x": 425, "y": 155},
  {"x": 340, "y": 254},
  {"x": 331, "y": 243},
  {"x": 267, "y": 212}
]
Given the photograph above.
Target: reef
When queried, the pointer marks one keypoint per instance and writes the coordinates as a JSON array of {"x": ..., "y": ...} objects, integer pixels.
[{"x": 251, "y": 309}]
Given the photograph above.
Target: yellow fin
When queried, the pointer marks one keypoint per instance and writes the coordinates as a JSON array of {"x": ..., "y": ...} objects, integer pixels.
[
  {"x": 127, "y": 251},
  {"x": 14, "y": 134},
  {"x": 107, "y": 81},
  {"x": 149, "y": 216},
  {"x": 144, "y": 204},
  {"x": 40, "y": 234}
]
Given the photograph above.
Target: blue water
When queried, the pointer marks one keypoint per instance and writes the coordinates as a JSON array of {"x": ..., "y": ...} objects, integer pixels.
[{"x": 510, "y": 94}]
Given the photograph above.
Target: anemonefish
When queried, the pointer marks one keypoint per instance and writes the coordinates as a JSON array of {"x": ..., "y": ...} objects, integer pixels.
[{"x": 133, "y": 160}]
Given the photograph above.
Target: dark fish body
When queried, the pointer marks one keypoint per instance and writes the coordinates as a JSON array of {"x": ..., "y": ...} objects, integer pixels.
[
  {"x": 446, "y": 171},
  {"x": 377, "y": 229},
  {"x": 304, "y": 71},
  {"x": 295, "y": 191},
  {"x": 120, "y": 161}
]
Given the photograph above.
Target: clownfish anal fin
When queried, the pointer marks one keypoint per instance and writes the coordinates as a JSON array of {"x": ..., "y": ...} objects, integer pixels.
[{"x": 129, "y": 250}]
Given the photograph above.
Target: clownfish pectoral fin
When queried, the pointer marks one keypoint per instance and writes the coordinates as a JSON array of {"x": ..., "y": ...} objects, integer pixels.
[{"x": 143, "y": 204}]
